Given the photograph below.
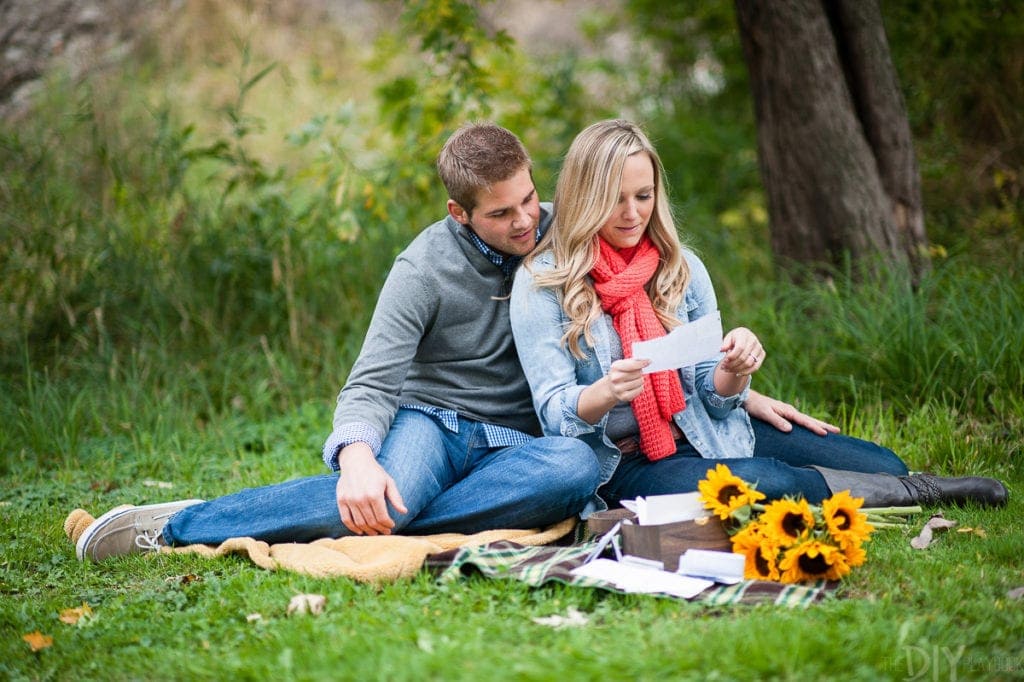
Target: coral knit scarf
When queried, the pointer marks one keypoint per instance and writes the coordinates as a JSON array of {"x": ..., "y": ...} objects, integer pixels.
[{"x": 619, "y": 279}]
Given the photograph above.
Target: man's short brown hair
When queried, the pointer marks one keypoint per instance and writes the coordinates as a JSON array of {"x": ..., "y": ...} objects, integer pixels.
[{"x": 476, "y": 156}]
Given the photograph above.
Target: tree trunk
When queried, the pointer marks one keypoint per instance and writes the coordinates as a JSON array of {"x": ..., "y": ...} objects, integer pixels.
[
  {"x": 834, "y": 144},
  {"x": 33, "y": 33}
]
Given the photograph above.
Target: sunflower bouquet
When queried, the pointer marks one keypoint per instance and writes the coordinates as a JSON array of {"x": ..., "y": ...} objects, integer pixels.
[{"x": 789, "y": 540}]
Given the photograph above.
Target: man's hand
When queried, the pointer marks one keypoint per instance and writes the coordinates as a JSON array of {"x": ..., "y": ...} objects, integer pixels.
[
  {"x": 363, "y": 490},
  {"x": 783, "y": 415}
]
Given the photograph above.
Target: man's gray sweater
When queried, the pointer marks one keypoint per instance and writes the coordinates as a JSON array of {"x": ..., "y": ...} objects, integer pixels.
[{"x": 440, "y": 336}]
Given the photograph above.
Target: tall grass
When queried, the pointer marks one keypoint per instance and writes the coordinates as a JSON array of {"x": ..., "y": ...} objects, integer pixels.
[
  {"x": 884, "y": 359},
  {"x": 191, "y": 282},
  {"x": 954, "y": 339},
  {"x": 179, "y": 283},
  {"x": 115, "y": 257},
  {"x": 146, "y": 250}
]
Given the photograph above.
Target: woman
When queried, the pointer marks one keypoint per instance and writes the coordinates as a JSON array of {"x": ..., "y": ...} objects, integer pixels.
[{"x": 610, "y": 272}]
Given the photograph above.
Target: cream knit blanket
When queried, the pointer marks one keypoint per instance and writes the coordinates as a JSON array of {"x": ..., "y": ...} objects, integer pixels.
[{"x": 366, "y": 559}]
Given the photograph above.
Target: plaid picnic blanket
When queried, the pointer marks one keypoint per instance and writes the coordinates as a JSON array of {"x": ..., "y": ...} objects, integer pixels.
[{"x": 538, "y": 565}]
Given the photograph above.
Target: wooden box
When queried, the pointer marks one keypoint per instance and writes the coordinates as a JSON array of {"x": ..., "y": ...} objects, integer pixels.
[
  {"x": 667, "y": 541},
  {"x": 663, "y": 542}
]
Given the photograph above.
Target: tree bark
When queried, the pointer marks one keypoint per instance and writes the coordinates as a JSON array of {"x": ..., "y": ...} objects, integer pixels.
[
  {"x": 35, "y": 33},
  {"x": 834, "y": 144}
]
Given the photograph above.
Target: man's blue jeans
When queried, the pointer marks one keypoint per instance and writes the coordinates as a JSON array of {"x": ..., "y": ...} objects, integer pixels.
[
  {"x": 780, "y": 466},
  {"x": 450, "y": 482}
]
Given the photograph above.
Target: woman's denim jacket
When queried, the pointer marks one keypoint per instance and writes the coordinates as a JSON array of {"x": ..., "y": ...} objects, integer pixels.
[{"x": 710, "y": 422}]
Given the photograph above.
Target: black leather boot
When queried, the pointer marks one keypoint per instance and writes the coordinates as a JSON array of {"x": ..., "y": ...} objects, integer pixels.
[
  {"x": 928, "y": 489},
  {"x": 886, "y": 490}
]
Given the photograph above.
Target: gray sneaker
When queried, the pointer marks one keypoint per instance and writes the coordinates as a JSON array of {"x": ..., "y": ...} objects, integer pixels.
[{"x": 128, "y": 530}]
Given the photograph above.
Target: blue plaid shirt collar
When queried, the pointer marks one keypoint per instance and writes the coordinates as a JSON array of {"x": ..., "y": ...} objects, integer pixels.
[{"x": 507, "y": 264}]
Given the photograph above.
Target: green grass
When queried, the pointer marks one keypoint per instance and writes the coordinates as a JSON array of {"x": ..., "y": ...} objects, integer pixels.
[
  {"x": 150, "y": 622},
  {"x": 97, "y": 444},
  {"x": 903, "y": 610}
]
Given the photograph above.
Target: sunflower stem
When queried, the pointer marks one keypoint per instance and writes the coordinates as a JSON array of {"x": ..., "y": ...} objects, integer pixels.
[{"x": 891, "y": 511}]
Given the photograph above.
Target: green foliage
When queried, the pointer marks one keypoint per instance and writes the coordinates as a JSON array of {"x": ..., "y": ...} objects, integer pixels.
[
  {"x": 911, "y": 345},
  {"x": 420, "y": 107},
  {"x": 135, "y": 248},
  {"x": 961, "y": 64},
  {"x": 206, "y": 282},
  {"x": 459, "y": 73},
  {"x": 707, "y": 124},
  {"x": 131, "y": 236}
]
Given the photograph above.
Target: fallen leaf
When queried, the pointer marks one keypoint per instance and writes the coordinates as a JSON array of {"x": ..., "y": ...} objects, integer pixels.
[
  {"x": 980, "y": 532},
  {"x": 571, "y": 619},
  {"x": 935, "y": 523},
  {"x": 184, "y": 579},
  {"x": 72, "y": 616},
  {"x": 1016, "y": 593},
  {"x": 307, "y": 603},
  {"x": 150, "y": 483},
  {"x": 38, "y": 640}
]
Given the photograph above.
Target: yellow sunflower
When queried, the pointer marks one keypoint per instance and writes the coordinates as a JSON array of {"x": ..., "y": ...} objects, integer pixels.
[
  {"x": 844, "y": 521},
  {"x": 787, "y": 521},
  {"x": 760, "y": 553},
  {"x": 813, "y": 560},
  {"x": 854, "y": 553},
  {"x": 724, "y": 494}
]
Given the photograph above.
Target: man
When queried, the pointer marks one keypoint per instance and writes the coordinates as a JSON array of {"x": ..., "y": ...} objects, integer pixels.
[{"x": 434, "y": 431}]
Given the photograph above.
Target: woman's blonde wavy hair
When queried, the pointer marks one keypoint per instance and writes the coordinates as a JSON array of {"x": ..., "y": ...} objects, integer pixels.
[{"x": 587, "y": 193}]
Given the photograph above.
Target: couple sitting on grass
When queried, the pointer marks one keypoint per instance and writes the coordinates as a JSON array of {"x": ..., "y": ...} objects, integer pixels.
[{"x": 437, "y": 429}]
